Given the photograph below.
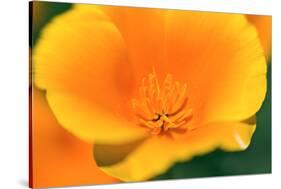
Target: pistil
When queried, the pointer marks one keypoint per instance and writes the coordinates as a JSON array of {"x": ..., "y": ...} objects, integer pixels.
[{"x": 162, "y": 107}]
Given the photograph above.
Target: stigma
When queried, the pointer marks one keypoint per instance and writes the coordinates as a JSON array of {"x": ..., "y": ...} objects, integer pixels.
[{"x": 162, "y": 107}]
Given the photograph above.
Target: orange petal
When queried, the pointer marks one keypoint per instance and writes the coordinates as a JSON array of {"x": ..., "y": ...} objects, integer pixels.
[
  {"x": 216, "y": 54},
  {"x": 143, "y": 33},
  {"x": 91, "y": 123},
  {"x": 156, "y": 155},
  {"x": 81, "y": 60},
  {"x": 59, "y": 158},
  {"x": 263, "y": 25},
  {"x": 220, "y": 58}
]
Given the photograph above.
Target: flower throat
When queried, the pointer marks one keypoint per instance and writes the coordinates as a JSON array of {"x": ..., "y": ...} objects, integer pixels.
[{"x": 162, "y": 107}]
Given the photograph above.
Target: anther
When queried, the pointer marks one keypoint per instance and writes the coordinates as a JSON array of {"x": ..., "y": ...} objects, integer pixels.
[{"x": 161, "y": 108}]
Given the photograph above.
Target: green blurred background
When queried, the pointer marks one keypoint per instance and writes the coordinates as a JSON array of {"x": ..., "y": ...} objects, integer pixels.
[{"x": 255, "y": 160}]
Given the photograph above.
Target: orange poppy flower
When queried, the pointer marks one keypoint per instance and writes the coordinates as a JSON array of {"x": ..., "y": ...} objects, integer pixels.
[
  {"x": 58, "y": 158},
  {"x": 263, "y": 25},
  {"x": 152, "y": 87}
]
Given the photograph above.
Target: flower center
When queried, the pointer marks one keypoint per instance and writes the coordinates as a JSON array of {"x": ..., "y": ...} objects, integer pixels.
[{"x": 162, "y": 107}]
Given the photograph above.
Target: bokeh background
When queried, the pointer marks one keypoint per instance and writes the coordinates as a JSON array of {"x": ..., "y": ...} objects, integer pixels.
[{"x": 255, "y": 160}]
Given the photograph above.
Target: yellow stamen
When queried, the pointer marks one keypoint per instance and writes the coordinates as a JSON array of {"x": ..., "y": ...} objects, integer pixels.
[{"x": 164, "y": 107}]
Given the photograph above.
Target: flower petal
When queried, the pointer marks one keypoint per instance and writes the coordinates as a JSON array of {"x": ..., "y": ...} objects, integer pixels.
[
  {"x": 155, "y": 155},
  {"x": 220, "y": 58},
  {"x": 106, "y": 155},
  {"x": 59, "y": 158},
  {"x": 143, "y": 32},
  {"x": 81, "y": 61},
  {"x": 91, "y": 123},
  {"x": 263, "y": 25}
]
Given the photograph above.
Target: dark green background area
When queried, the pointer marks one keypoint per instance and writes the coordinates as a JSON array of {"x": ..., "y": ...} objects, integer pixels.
[
  {"x": 37, "y": 22},
  {"x": 256, "y": 159}
]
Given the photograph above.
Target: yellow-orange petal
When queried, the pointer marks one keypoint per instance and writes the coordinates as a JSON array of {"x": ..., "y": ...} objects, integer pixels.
[
  {"x": 92, "y": 123},
  {"x": 58, "y": 158},
  {"x": 263, "y": 25},
  {"x": 143, "y": 30},
  {"x": 81, "y": 61},
  {"x": 155, "y": 155},
  {"x": 216, "y": 54},
  {"x": 220, "y": 58}
]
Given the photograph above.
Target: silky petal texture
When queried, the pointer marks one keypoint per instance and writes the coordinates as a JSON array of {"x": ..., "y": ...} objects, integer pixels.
[
  {"x": 143, "y": 32},
  {"x": 264, "y": 28},
  {"x": 220, "y": 58},
  {"x": 158, "y": 154},
  {"x": 219, "y": 54},
  {"x": 58, "y": 157},
  {"x": 107, "y": 128},
  {"x": 80, "y": 60}
]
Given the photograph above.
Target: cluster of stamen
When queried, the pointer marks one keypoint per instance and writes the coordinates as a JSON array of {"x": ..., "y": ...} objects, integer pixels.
[{"x": 161, "y": 108}]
